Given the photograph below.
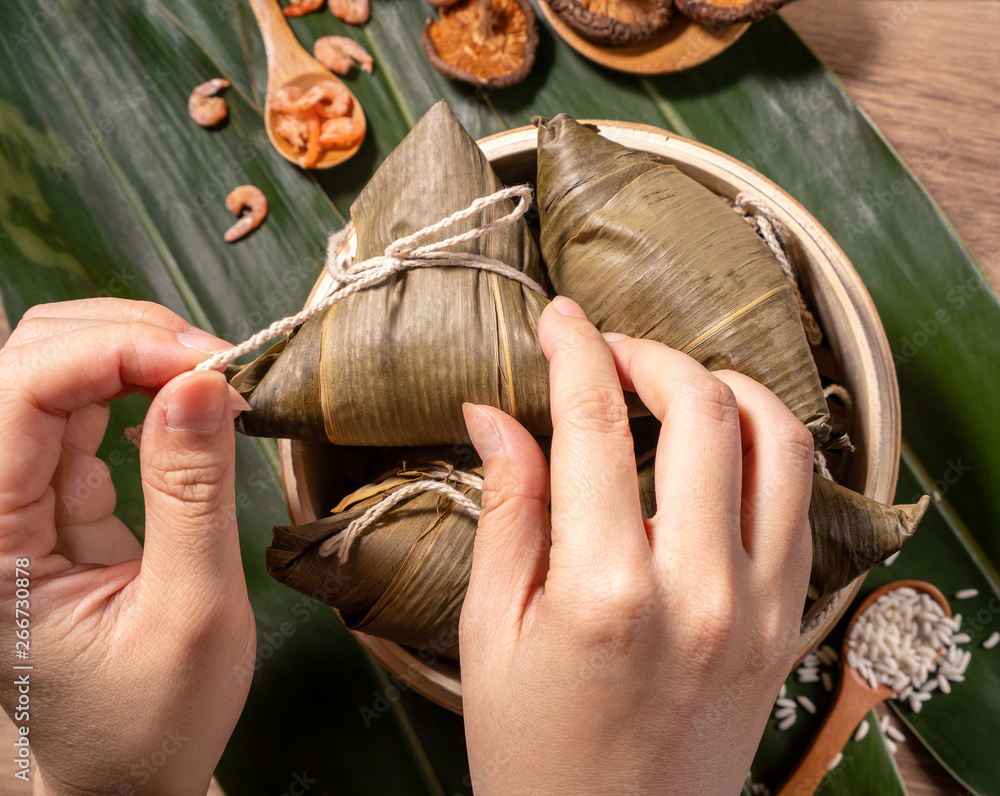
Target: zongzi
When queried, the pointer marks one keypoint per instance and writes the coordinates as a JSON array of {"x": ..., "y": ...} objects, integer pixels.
[
  {"x": 649, "y": 252},
  {"x": 404, "y": 578},
  {"x": 392, "y": 364}
]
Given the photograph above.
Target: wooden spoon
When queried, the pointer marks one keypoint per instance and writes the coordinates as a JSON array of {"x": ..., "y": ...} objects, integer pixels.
[
  {"x": 288, "y": 64},
  {"x": 851, "y": 703}
]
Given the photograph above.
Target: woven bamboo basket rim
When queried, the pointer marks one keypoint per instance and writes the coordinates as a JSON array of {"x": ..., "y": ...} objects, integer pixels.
[{"x": 842, "y": 304}]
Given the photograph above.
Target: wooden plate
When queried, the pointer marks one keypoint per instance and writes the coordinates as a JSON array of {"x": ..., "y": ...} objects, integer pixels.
[
  {"x": 312, "y": 473},
  {"x": 683, "y": 44}
]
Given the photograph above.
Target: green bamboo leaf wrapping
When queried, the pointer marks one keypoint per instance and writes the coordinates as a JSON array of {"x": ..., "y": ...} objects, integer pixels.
[
  {"x": 648, "y": 252},
  {"x": 405, "y": 577},
  {"x": 392, "y": 364}
]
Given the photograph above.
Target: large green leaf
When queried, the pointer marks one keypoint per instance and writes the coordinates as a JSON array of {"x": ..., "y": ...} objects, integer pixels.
[{"x": 106, "y": 187}]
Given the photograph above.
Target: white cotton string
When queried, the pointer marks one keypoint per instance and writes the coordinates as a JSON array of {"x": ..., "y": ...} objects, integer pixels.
[
  {"x": 841, "y": 392},
  {"x": 342, "y": 542},
  {"x": 756, "y": 213},
  {"x": 399, "y": 256}
]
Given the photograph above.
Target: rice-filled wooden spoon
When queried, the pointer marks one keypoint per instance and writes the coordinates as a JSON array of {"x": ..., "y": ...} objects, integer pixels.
[{"x": 855, "y": 696}]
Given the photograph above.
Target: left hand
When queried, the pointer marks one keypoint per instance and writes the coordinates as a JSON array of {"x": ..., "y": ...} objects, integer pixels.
[{"x": 141, "y": 657}]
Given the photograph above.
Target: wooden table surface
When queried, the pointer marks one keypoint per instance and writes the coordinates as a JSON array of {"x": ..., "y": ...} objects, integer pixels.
[{"x": 928, "y": 74}]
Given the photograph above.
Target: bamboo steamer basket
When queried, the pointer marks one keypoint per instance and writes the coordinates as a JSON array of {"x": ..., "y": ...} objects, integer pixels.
[{"x": 312, "y": 472}]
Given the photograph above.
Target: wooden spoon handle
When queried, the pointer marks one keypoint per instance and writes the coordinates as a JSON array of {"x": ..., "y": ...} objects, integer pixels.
[
  {"x": 848, "y": 709},
  {"x": 274, "y": 29}
]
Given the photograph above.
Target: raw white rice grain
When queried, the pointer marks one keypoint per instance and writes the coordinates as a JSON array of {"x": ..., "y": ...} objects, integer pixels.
[
  {"x": 783, "y": 691},
  {"x": 861, "y": 731},
  {"x": 784, "y": 713},
  {"x": 784, "y": 702},
  {"x": 827, "y": 681},
  {"x": 991, "y": 641},
  {"x": 892, "y": 746},
  {"x": 894, "y": 733},
  {"x": 786, "y": 722},
  {"x": 830, "y": 652},
  {"x": 891, "y": 559},
  {"x": 836, "y": 761},
  {"x": 807, "y": 703},
  {"x": 961, "y": 638},
  {"x": 966, "y": 594}
]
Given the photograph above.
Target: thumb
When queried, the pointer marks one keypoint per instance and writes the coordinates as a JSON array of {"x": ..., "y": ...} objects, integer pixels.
[
  {"x": 510, "y": 557},
  {"x": 187, "y": 460}
]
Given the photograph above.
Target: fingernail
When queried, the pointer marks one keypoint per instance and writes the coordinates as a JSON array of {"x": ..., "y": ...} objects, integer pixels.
[
  {"x": 200, "y": 340},
  {"x": 482, "y": 431},
  {"x": 614, "y": 337},
  {"x": 566, "y": 306},
  {"x": 199, "y": 403},
  {"x": 237, "y": 402}
]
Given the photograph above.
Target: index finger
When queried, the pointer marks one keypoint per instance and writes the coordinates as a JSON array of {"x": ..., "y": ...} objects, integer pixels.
[
  {"x": 596, "y": 516},
  {"x": 42, "y": 383}
]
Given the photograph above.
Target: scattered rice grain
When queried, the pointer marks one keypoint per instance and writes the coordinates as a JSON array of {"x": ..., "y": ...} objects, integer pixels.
[
  {"x": 827, "y": 681},
  {"x": 966, "y": 594},
  {"x": 786, "y": 722},
  {"x": 894, "y": 733},
  {"x": 861, "y": 731},
  {"x": 807, "y": 703},
  {"x": 836, "y": 761},
  {"x": 991, "y": 641}
]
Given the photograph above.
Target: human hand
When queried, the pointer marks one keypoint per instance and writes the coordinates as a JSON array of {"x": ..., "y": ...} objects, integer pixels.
[
  {"x": 140, "y": 656},
  {"x": 632, "y": 656}
]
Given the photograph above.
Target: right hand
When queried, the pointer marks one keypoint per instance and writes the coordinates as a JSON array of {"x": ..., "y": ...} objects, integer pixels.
[{"x": 605, "y": 654}]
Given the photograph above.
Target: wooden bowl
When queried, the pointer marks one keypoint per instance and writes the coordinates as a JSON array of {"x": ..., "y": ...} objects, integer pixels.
[
  {"x": 682, "y": 45},
  {"x": 858, "y": 357}
]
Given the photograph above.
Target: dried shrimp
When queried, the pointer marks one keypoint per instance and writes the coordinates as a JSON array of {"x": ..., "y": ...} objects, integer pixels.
[
  {"x": 339, "y": 54},
  {"x": 302, "y": 7},
  {"x": 206, "y": 108},
  {"x": 251, "y": 199},
  {"x": 353, "y": 12}
]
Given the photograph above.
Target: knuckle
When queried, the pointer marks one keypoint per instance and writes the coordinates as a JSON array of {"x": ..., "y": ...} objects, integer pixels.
[
  {"x": 707, "y": 396},
  {"x": 194, "y": 482},
  {"x": 794, "y": 441},
  {"x": 713, "y": 621},
  {"x": 38, "y": 311},
  {"x": 149, "y": 312},
  {"x": 617, "y": 606},
  {"x": 599, "y": 409}
]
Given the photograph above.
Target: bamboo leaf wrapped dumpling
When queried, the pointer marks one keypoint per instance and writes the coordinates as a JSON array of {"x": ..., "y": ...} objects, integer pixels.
[
  {"x": 651, "y": 253},
  {"x": 392, "y": 364},
  {"x": 404, "y": 578}
]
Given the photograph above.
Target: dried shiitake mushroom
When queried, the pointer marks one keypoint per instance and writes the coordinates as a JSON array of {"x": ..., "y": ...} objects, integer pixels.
[
  {"x": 727, "y": 12},
  {"x": 615, "y": 23},
  {"x": 483, "y": 42}
]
